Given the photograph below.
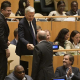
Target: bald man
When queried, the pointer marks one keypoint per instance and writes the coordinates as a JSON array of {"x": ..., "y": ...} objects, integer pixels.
[
  {"x": 42, "y": 67},
  {"x": 18, "y": 74}
]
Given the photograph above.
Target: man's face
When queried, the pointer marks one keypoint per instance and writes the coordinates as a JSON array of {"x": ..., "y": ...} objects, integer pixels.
[
  {"x": 6, "y": 12},
  {"x": 66, "y": 61},
  {"x": 20, "y": 73},
  {"x": 29, "y": 16},
  {"x": 74, "y": 7}
]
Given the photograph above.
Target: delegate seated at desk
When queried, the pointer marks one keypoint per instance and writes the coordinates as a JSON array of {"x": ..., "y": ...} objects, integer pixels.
[
  {"x": 59, "y": 12},
  {"x": 74, "y": 42},
  {"x": 62, "y": 39},
  {"x": 66, "y": 71}
]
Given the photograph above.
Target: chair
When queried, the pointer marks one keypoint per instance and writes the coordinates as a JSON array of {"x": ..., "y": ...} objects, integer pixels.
[
  {"x": 13, "y": 57},
  {"x": 46, "y": 9},
  {"x": 39, "y": 19}
]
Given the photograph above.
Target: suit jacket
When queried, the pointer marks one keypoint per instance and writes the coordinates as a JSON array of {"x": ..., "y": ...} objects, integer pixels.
[
  {"x": 4, "y": 33},
  {"x": 61, "y": 72},
  {"x": 13, "y": 77},
  {"x": 25, "y": 37},
  {"x": 69, "y": 13},
  {"x": 13, "y": 42},
  {"x": 42, "y": 67}
]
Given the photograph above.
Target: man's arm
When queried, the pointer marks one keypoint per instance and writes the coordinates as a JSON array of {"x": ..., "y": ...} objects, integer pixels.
[
  {"x": 58, "y": 74},
  {"x": 77, "y": 75},
  {"x": 3, "y": 43},
  {"x": 8, "y": 78}
]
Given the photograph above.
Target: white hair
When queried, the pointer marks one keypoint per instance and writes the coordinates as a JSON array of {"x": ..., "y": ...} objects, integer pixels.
[{"x": 29, "y": 9}]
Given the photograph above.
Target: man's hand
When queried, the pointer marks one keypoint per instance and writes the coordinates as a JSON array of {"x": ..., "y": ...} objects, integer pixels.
[
  {"x": 8, "y": 43},
  {"x": 7, "y": 53},
  {"x": 69, "y": 72},
  {"x": 30, "y": 46}
]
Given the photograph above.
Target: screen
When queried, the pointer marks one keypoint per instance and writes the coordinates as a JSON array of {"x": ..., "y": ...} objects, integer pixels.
[
  {"x": 58, "y": 79},
  {"x": 55, "y": 46}
]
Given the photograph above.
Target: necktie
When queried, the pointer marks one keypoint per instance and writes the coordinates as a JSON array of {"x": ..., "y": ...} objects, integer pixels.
[{"x": 32, "y": 34}]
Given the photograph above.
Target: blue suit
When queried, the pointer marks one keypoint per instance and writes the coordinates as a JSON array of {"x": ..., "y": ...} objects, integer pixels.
[
  {"x": 13, "y": 42},
  {"x": 25, "y": 36}
]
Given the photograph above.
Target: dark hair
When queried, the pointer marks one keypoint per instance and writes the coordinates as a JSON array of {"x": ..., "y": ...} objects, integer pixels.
[
  {"x": 74, "y": 2},
  {"x": 5, "y": 4},
  {"x": 15, "y": 32},
  {"x": 71, "y": 58},
  {"x": 73, "y": 33},
  {"x": 61, "y": 36},
  {"x": 21, "y": 6},
  {"x": 60, "y": 2}
]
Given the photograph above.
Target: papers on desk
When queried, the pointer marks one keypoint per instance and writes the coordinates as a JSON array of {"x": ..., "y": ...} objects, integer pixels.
[{"x": 69, "y": 19}]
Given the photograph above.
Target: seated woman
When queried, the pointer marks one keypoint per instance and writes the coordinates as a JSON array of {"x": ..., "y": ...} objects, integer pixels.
[
  {"x": 62, "y": 39},
  {"x": 59, "y": 12},
  {"x": 74, "y": 42},
  {"x": 22, "y": 5}
]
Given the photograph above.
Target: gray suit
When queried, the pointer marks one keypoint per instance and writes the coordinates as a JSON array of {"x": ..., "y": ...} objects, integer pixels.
[
  {"x": 42, "y": 68},
  {"x": 13, "y": 77},
  {"x": 70, "y": 13}
]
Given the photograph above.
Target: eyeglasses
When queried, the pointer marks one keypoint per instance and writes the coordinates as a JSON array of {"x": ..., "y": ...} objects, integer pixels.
[{"x": 21, "y": 72}]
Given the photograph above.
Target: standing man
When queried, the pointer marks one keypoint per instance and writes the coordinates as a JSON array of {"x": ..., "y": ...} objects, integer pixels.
[
  {"x": 26, "y": 35},
  {"x": 66, "y": 71},
  {"x": 4, "y": 33},
  {"x": 42, "y": 67}
]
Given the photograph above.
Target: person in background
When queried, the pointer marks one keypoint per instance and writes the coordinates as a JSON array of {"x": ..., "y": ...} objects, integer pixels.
[
  {"x": 59, "y": 12},
  {"x": 18, "y": 74},
  {"x": 42, "y": 67},
  {"x": 66, "y": 71},
  {"x": 48, "y": 35},
  {"x": 22, "y": 5},
  {"x": 15, "y": 40},
  {"x": 74, "y": 9},
  {"x": 62, "y": 39},
  {"x": 26, "y": 35},
  {"x": 38, "y": 28},
  {"x": 4, "y": 42},
  {"x": 74, "y": 42}
]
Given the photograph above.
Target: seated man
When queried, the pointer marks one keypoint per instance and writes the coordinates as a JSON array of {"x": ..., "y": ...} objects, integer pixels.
[
  {"x": 66, "y": 71},
  {"x": 74, "y": 9},
  {"x": 18, "y": 74},
  {"x": 14, "y": 41}
]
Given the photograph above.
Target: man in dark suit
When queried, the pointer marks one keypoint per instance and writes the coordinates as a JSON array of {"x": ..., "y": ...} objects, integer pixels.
[
  {"x": 66, "y": 71},
  {"x": 26, "y": 35},
  {"x": 18, "y": 74},
  {"x": 74, "y": 9},
  {"x": 15, "y": 40},
  {"x": 4, "y": 33},
  {"x": 42, "y": 67}
]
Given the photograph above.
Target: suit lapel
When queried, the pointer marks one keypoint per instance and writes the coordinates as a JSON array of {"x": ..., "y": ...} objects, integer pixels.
[{"x": 28, "y": 27}]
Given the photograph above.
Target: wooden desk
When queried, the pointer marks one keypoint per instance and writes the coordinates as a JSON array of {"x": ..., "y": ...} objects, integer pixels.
[{"x": 29, "y": 59}]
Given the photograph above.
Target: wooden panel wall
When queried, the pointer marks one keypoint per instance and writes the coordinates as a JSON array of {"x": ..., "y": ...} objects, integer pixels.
[{"x": 54, "y": 30}]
